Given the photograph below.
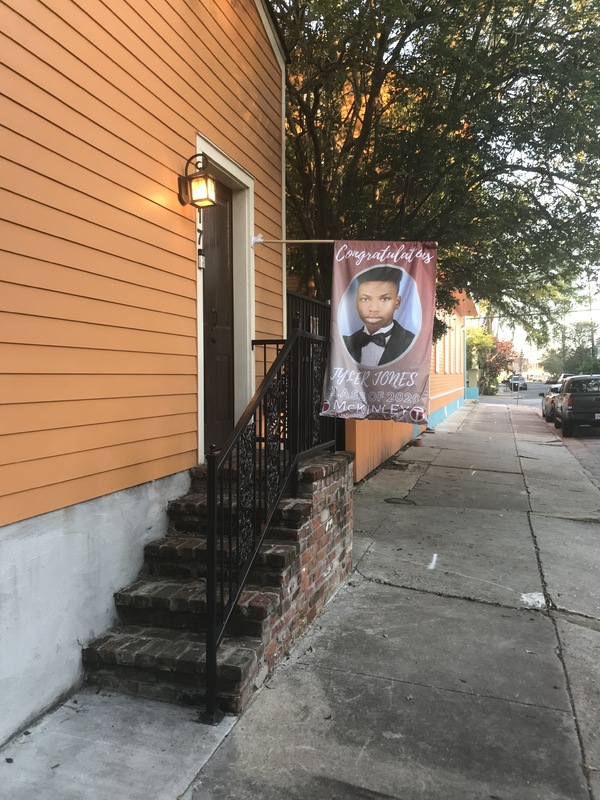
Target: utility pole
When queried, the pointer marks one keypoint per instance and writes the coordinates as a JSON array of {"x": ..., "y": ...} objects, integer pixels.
[{"x": 589, "y": 278}]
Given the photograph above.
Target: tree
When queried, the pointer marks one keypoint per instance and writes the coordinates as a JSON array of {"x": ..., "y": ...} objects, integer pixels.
[
  {"x": 553, "y": 362},
  {"x": 578, "y": 354},
  {"x": 500, "y": 359},
  {"x": 491, "y": 356},
  {"x": 479, "y": 344},
  {"x": 474, "y": 124}
]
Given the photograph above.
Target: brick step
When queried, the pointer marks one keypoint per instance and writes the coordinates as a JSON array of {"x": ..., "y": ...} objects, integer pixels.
[
  {"x": 171, "y": 665},
  {"x": 199, "y": 474},
  {"x": 177, "y": 556},
  {"x": 303, "y": 559},
  {"x": 188, "y": 513},
  {"x": 181, "y": 604}
]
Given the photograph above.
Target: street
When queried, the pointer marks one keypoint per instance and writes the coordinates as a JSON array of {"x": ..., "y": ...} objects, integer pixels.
[
  {"x": 528, "y": 397},
  {"x": 584, "y": 445}
]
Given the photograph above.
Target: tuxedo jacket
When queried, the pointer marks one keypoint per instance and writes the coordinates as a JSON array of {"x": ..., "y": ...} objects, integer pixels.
[{"x": 398, "y": 342}]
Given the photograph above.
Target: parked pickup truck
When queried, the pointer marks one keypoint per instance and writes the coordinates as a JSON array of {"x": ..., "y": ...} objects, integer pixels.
[{"x": 577, "y": 403}]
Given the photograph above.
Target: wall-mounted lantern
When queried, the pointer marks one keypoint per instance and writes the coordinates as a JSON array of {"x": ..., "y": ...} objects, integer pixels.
[{"x": 198, "y": 187}]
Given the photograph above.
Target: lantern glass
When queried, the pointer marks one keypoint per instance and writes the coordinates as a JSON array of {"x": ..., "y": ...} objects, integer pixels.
[{"x": 202, "y": 190}]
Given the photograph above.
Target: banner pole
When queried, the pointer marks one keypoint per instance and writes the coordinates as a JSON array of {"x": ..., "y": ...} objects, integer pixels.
[{"x": 258, "y": 239}]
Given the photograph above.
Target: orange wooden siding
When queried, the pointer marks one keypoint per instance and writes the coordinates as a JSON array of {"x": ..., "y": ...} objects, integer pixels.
[
  {"x": 373, "y": 441},
  {"x": 100, "y": 108}
]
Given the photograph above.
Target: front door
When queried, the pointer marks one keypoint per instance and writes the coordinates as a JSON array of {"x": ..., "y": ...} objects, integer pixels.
[{"x": 218, "y": 320}]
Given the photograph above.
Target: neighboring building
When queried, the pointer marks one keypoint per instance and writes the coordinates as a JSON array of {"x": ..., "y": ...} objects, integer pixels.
[
  {"x": 448, "y": 363},
  {"x": 374, "y": 441},
  {"x": 124, "y": 352}
]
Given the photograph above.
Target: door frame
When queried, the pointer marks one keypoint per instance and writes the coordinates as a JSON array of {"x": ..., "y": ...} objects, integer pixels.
[{"x": 241, "y": 183}]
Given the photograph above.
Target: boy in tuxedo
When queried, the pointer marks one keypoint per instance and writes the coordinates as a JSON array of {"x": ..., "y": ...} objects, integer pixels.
[{"x": 381, "y": 339}]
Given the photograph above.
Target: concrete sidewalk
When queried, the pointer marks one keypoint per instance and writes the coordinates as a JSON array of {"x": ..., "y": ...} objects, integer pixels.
[{"x": 460, "y": 661}]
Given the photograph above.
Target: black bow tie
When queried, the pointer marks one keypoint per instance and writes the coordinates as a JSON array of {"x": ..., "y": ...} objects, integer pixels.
[{"x": 376, "y": 338}]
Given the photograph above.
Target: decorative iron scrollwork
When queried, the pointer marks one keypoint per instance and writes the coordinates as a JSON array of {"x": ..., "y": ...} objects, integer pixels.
[
  {"x": 273, "y": 436},
  {"x": 246, "y": 489},
  {"x": 317, "y": 391}
]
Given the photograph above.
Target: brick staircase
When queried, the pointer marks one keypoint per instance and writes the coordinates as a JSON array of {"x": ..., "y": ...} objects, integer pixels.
[{"x": 157, "y": 649}]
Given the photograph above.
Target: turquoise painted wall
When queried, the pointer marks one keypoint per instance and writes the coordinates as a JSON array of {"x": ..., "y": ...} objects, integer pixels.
[{"x": 443, "y": 413}]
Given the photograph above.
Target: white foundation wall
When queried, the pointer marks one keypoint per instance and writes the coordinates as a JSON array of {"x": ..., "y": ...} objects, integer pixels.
[{"x": 58, "y": 573}]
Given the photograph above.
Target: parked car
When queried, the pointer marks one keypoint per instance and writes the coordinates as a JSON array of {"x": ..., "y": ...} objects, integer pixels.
[
  {"x": 517, "y": 383},
  {"x": 548, "y": 401},
  {"x": 577, "y": 403}
]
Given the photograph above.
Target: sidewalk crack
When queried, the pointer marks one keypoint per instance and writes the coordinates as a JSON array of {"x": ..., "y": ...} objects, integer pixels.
[{"x": 450, "y": 689}]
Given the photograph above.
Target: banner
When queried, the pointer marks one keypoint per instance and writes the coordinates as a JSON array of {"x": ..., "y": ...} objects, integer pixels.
[{"x": 382, "y": 310}]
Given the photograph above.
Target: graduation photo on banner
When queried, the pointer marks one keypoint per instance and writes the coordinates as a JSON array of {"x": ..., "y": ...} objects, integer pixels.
[{"x": 382, "y": 310}]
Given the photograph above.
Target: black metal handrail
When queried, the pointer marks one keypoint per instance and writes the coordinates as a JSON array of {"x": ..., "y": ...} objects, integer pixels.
[{"x": 247, "y": 477}]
